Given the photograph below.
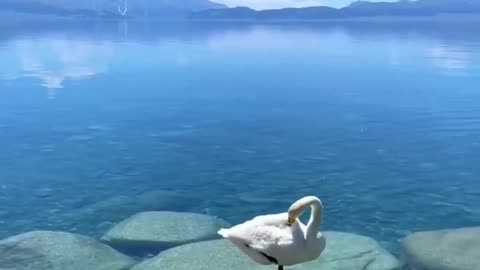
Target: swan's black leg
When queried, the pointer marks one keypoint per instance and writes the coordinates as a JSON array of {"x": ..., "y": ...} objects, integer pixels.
[{"x": 280, "y": 267}]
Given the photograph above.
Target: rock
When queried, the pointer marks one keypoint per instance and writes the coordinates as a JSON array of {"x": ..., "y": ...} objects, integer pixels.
[
  {"x": 107, "y": 209},
  {"x": 456, "y": 249},
  {"x": 163, "y": 230},
  {"x": 208, "y": 255},
  {"x": 344, "y": 251},
  {"x": 45, "y": 250},
  {"x": 348, "y": 251}
]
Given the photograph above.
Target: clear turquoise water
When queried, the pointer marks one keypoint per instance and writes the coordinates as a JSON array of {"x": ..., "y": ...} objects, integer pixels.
[{"x": 381, "y": 121}]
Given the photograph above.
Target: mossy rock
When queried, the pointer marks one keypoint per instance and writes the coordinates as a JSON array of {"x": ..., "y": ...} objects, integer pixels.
[
  {"x": 46, "y": 250},
  {"x": 163, "y": 230},
  {"x": 344, "y": 251},
  {"x": 456, "y": 249}
]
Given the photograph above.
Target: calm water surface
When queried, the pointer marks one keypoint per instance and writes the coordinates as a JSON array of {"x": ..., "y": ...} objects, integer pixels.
[{"x": 381, "y": 121}]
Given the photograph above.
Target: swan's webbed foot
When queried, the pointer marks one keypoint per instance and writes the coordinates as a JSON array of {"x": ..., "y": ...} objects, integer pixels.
[{"x": 280, "y": 267}]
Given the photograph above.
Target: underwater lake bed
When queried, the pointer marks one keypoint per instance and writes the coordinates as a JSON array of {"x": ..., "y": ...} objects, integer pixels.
[{"x": 181, "y": 129}]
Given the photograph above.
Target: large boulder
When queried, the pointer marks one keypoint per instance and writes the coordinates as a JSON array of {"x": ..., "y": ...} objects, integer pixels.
[
  {"x": 163, "y": 229},
  {"x": 348, "y": 251},
  {"x": 344, "y": 251},
  {"x": 207, "y": 255},
  {"x": 45, "y": 250},
  {"x": 456, "y": 249}
]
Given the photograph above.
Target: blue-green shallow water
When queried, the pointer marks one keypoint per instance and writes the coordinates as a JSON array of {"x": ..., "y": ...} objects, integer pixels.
[{"x": 381, "y": 121}]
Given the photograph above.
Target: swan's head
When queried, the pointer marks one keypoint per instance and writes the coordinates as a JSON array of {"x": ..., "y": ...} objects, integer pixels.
[
  {"x": 291, "y": 219},
  {"x": 293, "y": 214},
  {"x": 298, "y": 207}
]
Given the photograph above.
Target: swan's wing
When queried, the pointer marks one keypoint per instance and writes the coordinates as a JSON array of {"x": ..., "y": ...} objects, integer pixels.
[
  {"x": 268, "y": 239},
  {"x": 250, "y": 240},
  {"x": 262, "y": 238},
  {"x": 262, "y": 232},
  {"x": 273, "y": 219}
]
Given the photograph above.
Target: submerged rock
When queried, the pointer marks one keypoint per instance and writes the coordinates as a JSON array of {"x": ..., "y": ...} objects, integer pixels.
[
  {"x": 90, "y": 219},
  {"x": 44, "y": 192},
  {"x": 344, "y": 251},
  {"x": 163, "y": 230},
  {"x": 456, "y": 249},
  {"x": 45, "y": 250},
  {"x": 124, "y": 206}
]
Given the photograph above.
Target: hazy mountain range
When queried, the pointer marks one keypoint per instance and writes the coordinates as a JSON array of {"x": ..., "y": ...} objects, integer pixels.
[
  {"x": 356, "y": 9},
  {"x": 108, "y": 8},
  {"x": 205, "y": 9}
]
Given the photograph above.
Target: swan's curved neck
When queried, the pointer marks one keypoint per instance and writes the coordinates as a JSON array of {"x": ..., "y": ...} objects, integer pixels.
[
  {"x": 315, "y": 217},
  {"x": 316, "y": 206}
]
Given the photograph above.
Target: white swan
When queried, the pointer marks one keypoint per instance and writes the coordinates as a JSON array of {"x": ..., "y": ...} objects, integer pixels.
[{"x": 281, "y": 239}]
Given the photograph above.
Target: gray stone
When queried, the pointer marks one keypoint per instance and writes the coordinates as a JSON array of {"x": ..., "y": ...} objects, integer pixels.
[
  {"x": 163, "y": 230},
  {"x": 344, "y": 251},
  {"x": 45, "y": 250},
  {"x": 208, "y": 255},
  {"x": 348, "y": 251},
  {"x": 456, "y": 249}
]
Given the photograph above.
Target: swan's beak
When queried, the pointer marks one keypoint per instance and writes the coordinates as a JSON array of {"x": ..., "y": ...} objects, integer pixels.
[{"x": 291, "y": 220}]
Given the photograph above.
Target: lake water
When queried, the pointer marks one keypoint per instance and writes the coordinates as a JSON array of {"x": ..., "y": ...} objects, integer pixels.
[{"x": 379, "y": 120}]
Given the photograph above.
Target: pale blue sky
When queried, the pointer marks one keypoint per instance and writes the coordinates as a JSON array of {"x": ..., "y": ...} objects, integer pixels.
[{"x": 267, "y": 4}]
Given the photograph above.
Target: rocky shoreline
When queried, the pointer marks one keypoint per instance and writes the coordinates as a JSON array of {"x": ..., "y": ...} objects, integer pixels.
[
  {"x": 184, "y": 241},
  {"x": 189, "y": 241}
]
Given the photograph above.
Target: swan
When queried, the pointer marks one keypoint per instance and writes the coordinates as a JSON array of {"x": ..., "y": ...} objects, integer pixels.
[{"x": 281, "y": 239}]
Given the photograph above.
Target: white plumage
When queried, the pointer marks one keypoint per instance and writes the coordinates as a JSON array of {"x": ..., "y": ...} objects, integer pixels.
[{"x": 281, "y": 239}]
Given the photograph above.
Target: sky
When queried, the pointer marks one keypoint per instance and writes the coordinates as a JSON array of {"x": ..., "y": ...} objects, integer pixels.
[{"x": 272, "y": 4}]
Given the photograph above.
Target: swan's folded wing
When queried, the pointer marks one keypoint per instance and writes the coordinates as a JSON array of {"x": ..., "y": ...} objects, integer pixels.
[
  {"x": 273, "y": 219},
  {"x": 263, "y": 237},
  {"x": 262, "y": 232}
]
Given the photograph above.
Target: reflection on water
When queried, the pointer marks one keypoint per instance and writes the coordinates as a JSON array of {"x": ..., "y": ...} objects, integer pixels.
[
  {"x": 76, "y": 54},
  {"x": 54, "y": 61},
  {"x": 379, "y": 120},
  {"x": 450, "y": 58}
]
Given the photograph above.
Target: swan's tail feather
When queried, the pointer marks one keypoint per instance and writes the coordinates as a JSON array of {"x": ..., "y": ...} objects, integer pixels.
[{"x": 223, "y": 232}]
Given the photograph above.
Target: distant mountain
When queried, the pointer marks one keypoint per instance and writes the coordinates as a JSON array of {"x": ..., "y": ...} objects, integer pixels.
[
  {"x": 356, "y": 9},
  {"x": 108, "y": 8}
]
